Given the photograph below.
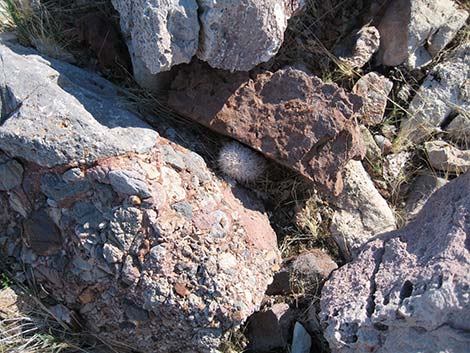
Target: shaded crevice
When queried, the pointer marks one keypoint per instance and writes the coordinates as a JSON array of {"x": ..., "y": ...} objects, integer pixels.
[{"x": 370, "y": 308}]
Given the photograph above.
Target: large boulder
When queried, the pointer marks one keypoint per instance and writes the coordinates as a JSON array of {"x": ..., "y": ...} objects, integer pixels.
[
  {"x": 408, "y": 290},
  {"x": 289, "y": 116},
  {"x": 415, "y": 31},
  {"x": 231, "y": 35},
  {"x": 130, "y": 230}
]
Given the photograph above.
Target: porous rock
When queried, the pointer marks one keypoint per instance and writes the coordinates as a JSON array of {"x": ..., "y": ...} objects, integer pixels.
[
  {"x": 170, "y": 272},
  {"x": 444, "y": 94},
  {"x": 415, "y": 31},
  {"x": 361, "y": 212},
  {"x": 289, "y": 116},
  {"x": 407, "y": 290}
]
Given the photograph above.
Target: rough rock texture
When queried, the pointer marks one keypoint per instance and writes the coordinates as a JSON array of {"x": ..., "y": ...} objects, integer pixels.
[
  {"x": 374, "y": 89},
  {"x": 82, "y": 117},
  {"x": 159, "y": 33},
  {"x": 408, "y": 290},
  {"x": 443, "y": 95},
  {"x": 445, "y": 157},
  {"x": 238, "y": 35},
  {"x": 305, "y": 273},
  {"x": 361, "y": 212},
  {"x": 357, "y": 49},
  {"x": 139, "y": 247},
  {"x": 459, "y": 127},
  {"x": 420, "y": 191},
  {"x": 301, "y": 341},
  {"x": 289, "y": 116},
  {"x": 414, "y": 31}
]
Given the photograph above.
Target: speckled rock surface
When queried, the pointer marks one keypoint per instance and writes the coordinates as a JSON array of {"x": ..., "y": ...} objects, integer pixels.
[
  {"x": 415, "y": 31},
  {"x": 238, "y": 35},
  {"x": 357, "y": 48},
  {"x": 289, "y": 116},
  {"x": 148, "y": 246},
  {"x": 408, "y": 290}
]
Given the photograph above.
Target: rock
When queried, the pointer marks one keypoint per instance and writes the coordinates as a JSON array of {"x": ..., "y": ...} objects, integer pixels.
[
  {"x": 361, "y": 212},
  {"x": 159, "y": 34},
  {"x": 11, "y": 174},
  {"x": 9, "y": 309},
  {"x": 374, "y": 89},
  {"x": 301, "y": 342},
  {"x": 383, "y": 143},
  {"x": 357, "y": 49},
  {"x": 444, "y": 94},
  {"x": 395, "y": 166},
  {"x": 459, "y": 128},
  {"x": 177, "y": 269},
  {"x": 304, "y": 274},
  {"x": 289, "y": 116},
  {"x": 238, "y": 36},
  {"x": 407, "y": 290},
  {"x": 422, "y": 189},
  {"x": 52, "y": 102},
  {"x": 270, "y": 329},
  {"x": 415, "y": 31},
  {"x": 445, "y": 157},
  {"x": 373, "y": 152}
]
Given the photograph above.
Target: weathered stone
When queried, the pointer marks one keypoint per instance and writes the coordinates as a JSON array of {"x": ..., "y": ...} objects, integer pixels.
[
  {"x": 129, "y": 182},
  {"x": 53, "y": 113},
  {"x": 445, "y": 157},
  {"x": 159, "y": 34},
  {"x": 374, "y": 89},
  {"x": 72, "y": 175},
  {"x": 173, "y": 158},
  {"x": 407, "y": 290},
  {"x": 443, "y": 95},
  {"x": 11, "y": 175},
  {"x": 373, "y": 153},
  {"x": 415, "y": 31},
  {"x": 357, "y": 49},
  {"x": 459, "y": 128},
  {"x": 361, "y": 211},
  {"x": 269, "y": 330},
  {"x": 301, "y": 341},
  {"x": 421, "y": 190},
  {"x": 289, "y": 116},
  {"x": 189, "y": 280},
  {"x": 238, "y": 36}
]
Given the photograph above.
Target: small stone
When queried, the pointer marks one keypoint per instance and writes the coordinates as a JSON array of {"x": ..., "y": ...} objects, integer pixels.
[
  {"x": 374, "y": 88},
  {"x": 445, "y": 157},
  {"x": 85, "y": 213},
  {"x": 135, "y": 200},
  {"x": 173, "y": 158},
  {"x": 357, "y": 49},
  {"x": 130, "y": 273},
  {"x": 180, "y": 289},
  {"x": 11, "y": 175},
  {"x": 459, "y": 128},
  {"x": 72, "y": 175},
  {"x": 384, "y": 144},
  {"x": 172, "y": 184},
  {"x": 227, "y": 263},
  {"x": 129, "y": 183},
  {"x": 17, "y": 204},
  {"x": 301, "y": 341},
  {"x": 184, "y": 208},
  {"x": 112, "y": 254},
  {"x": 41, "y": 234}
]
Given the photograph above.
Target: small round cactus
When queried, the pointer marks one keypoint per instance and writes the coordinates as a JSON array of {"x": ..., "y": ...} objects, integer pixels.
[{"x": 241, "y": 163}]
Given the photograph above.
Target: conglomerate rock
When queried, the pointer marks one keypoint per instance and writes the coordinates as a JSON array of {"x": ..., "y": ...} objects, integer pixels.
[
  {"x": 408, "y": 290},
  {"x": 289, "y": 116},
  {"x": 131, "y": 231}
]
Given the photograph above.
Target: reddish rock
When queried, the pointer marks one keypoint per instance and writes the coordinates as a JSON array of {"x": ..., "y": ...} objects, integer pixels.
[{"x": 289, "y": 116}]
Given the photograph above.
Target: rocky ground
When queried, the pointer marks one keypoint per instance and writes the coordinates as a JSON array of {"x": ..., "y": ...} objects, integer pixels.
[{"x": 268, "y": 176}]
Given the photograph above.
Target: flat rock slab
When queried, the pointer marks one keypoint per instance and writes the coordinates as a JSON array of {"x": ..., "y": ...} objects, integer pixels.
[
  {"x": 53, "y": 113},
  {"x": 407, "y": 291},
  {"x": 289, "y": 116}
]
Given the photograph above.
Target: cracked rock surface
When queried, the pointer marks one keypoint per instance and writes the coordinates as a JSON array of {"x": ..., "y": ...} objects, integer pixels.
[
  {"x": 289, "y": 116},
  {"x": 135, "y": 243},
  {"x": 407, "y": 290}
]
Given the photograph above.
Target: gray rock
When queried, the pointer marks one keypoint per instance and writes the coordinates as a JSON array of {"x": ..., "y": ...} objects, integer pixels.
[
  {"x": 302, "y": 341},
  {"x": 415, "y": 31},
  {"x": 86, "y": 213},
  {"x": 173, "y": 158},
  {"x": 444, "y": 94},
  {"x": 408, "y": 290},
  {"x": 447, "y": 158},
  {"x": 72, "y": 175},
  {"x": 459, "y": 127},
  {"x": 160, "y": 34},
  {"x": 361, "y": 211},
  {"x": 55, "y": 113},
  {"x": 129, "y": 182},
  {"x": 357, "y": 49},
  {"x": 184, "y": 208},
  {"x": 11, "y": 175},
  {"x": 238, "y": 36},
  {"x": 422, "y": 189},
  {"x": 53, "y": 187}
]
